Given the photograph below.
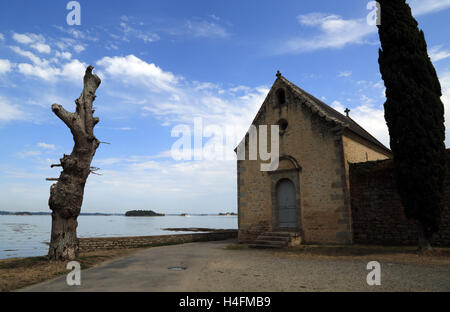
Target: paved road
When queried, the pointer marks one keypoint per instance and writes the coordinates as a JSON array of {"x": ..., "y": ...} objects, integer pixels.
[{"x": 212, "y": 267}]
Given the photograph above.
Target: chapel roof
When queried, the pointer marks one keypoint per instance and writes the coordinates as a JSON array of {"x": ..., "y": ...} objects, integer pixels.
[{"x": 330, "y": 114}]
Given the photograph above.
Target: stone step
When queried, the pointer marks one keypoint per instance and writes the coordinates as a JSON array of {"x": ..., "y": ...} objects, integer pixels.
[
  {"x": 276, "y": 240},
  {"x": 273, "y": 238},
  {"x": 271, "y": 242},
  {"x": 282, "y": 234},
  {"x": 255, "y": 245},
  {"x": 267, "y": 244},
  {"x": 260, "y": 243}
]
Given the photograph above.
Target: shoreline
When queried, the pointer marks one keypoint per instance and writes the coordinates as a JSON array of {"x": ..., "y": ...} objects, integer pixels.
[
  {"x": 101, "y": 214},
  {"x": 17, "y": 273},
  {"x": 141, "y": 241},
  {"x": 98, "y": 243}
]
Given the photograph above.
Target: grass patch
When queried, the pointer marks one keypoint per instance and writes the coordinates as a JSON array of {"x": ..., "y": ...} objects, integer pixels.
[{"x": 21, "y": 263}]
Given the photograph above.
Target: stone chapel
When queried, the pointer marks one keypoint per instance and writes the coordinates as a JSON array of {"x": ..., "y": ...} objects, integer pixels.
[{"x": 308, "y": 196}]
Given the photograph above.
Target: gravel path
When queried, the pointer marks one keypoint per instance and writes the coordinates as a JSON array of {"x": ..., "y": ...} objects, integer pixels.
[{"x": 212, "y": 266}]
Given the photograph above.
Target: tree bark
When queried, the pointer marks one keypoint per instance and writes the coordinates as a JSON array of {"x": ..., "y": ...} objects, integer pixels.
[{"x": 66, "y": 195}]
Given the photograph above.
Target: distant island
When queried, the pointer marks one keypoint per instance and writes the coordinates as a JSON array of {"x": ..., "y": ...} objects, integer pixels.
[
  {"x": 132, "y": 213},
  {"x": 26, "y": 213},
  {"x": 20, "y": 213},
  {"x": 143, "y": 213}
]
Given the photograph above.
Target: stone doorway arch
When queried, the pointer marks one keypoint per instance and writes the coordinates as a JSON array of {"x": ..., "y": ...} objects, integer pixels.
[{"x": 285, "y": 182}]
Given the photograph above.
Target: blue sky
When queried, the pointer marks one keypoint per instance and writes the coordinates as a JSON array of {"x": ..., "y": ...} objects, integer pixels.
[{"x": 165, "y": 63}]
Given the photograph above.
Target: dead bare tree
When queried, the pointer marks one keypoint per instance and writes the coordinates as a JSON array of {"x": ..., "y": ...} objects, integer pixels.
[{"x": 66, "y": 195}]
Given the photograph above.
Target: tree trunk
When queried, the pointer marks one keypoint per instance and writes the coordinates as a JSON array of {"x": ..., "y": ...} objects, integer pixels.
[
  {"x": 424, "y": 238},
  {"x": 64, "y": 242},
  {"x": 66, "y": 196}
]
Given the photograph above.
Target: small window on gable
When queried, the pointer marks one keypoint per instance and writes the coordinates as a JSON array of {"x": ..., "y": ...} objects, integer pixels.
[
  {"x": 281, "y": 97},
  {"x": 283, "y": 125}
]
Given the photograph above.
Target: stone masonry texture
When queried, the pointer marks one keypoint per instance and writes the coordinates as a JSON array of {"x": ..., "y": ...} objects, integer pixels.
[
  {"x": 90, "y": 244},
  {"x": 315, "y": 157},
  {"x": 377, "y": 212}
]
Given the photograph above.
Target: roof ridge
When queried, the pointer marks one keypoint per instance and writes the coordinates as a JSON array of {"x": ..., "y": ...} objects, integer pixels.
[
  {"x": 331, "y": 114},
  {"x": 317, "y": 109}
]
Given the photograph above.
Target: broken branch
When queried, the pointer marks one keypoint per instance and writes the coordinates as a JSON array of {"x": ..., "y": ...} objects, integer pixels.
[{"x": 67, "y": 117}]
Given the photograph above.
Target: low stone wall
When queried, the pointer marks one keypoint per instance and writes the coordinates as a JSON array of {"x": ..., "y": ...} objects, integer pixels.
[
  {"x": 90, "y": 244},
  {"x": 377, "y": 212}
]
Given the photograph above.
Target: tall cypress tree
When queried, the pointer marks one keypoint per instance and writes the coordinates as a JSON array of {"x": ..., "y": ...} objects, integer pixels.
[{"x": 415, "y": 117}]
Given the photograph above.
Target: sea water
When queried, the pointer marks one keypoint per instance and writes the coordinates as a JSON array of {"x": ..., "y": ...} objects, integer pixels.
[{"x": 26, "y": 236}]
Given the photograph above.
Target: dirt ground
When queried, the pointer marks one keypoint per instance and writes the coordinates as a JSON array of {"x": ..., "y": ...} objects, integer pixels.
[
  {"x": 17, "y": 273},
  {"x": 227, "y": 266},
  {"x": 395, "y": 254}
]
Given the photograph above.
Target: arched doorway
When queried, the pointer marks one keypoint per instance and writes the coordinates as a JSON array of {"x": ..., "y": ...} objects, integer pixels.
[{"x": 287, "y": 205}]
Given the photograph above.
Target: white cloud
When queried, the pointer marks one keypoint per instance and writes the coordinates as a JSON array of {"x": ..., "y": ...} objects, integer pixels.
[
  {"x": 368, "y": 116},
  {"x": 45, "y": 73},
  {"x": 64, "y": 55},
  {"x": 111, "y": 46},
  {"x": 371, "y": 117},
  {"x": 131, "y": 67},
  {"x": 148, "y": 37},
  {"x": 174, "y": 100},
  {"x": 46, "y": 146},
  {"x": 22, "y": 38},
  {"x": 5, "y": 66},
  {"x": 78, "y": 34},
  {"x": 30, "y": 55},
  {"x": 346, "y": 73},
  {"x": 166, "y": 184},
  {"x": 214, "y": 17},
  {"x": 2, "y": 37},
  {"x": 9, "y": 112},
  {"x": 145, "y": 36},
  {"x": 147, "y": 165},
  {"x": 334, "y": 32},
  {"x": 74, "y": 70},
  {"x": 41, "y": 47},
  {"x": 379, "y": 85},
  {"x": 437, "y": 53},
  {"x": 145, "y": 178},
  {"x": 79, "y": 48},
  {"x": 29, "y": 153},
  {"x": 206, "y": 29},
  {"x": 420, "y": 7},
  {"x": 41, "y": 68},
  {"x": 65, "y": 44},
  {"x": 28, "y": 38},
  {"x": 337, "y": 105}
]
